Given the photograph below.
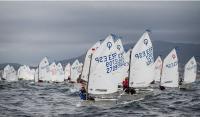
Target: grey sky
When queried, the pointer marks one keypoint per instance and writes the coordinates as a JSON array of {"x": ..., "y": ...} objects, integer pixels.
[{"x": 62, "y": 30}]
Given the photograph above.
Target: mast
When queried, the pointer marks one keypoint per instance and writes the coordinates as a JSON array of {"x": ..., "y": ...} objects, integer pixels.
[
  {"x": 129, "y": 68},
  {"x": 38, "y": 71},
  {"x": 70, "y": 74},
  {"x": 161, "y": 72},
  {"x": 161, "y": 87},
  {"x": 87, "y": 94}
]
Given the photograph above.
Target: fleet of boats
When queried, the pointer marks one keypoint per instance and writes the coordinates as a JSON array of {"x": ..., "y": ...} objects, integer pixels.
[{"x": 105, "y": 67}]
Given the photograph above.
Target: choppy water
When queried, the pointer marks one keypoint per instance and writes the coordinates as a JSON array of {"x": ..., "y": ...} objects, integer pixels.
[{"x": 29, "y": 99}]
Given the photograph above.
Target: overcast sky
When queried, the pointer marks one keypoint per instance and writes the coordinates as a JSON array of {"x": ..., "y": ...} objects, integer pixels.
[{"x": 62, "y": 30}]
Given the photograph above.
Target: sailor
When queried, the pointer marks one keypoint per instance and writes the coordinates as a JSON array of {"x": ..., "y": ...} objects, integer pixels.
[
  {"x": 82, "y": 93},
  {"x": 69, "y": 79},
  {"x": 132, "y": 91},
  {"x": 153, "y": 82},
  {"x": 125, "y": 83},
  {"x": 162, "y": 87},
  {"x": 181, "y": 81}
]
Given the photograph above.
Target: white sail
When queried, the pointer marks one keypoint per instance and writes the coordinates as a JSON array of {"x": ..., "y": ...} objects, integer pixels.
[
  {"x": 32, "y": 74},
  {"x": 104, "y": 68},
  {"x": 22, "y": 72},
  {"x": 43, "y": 70},
  {"x": 36, "y": 75},
  {"x": 12, "y": 75},
  {"x": 75, "y": 70},
  {"x": 169, "y": 77},
  {"x": 6, "y": 70},
  {"x": 190, "y": 71},
  {"x": 127, "y": 60},
  {"x": 122, "y": 63},
  {"x": 9, "y": 74},
  {"x": 157, "y": 69},
  {"x": 25, "y": 73},
  {"x": 60, "y": 72},
  {"x": 84, "y": 75},
  {"x": 67, "y": 71},
  {"x": 80, "y": 68},
  {"x": 141, "y": 66},
  {"x": 53, "y": 72}
]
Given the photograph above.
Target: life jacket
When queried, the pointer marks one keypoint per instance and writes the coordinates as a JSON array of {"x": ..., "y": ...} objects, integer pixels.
[{"x": 125, "y": 83}]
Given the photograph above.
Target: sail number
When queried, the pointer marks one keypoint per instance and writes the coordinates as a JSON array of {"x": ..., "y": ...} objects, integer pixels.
[
  {"x": 146, "y": 53},
  {"x": 172, "y": 64},
  {"x": 191, "y": 67},
  {"x": 112, "y": 61}
]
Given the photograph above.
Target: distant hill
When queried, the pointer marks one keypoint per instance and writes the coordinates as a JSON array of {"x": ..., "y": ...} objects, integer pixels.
[
  {"x": 162, "y": 48},
  {"x": 185, "y": 52},
  {"x": 66, "y": 61}
]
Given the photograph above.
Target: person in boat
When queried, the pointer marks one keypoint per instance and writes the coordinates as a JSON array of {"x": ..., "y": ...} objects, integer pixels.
[
  {"x": 181, "y": 81},
  {"x": 161, "y": 87},
  {"x": 82, "y": 93},
  {"x": 125, "y": 84},
  {"x": 126, "y": 87},
  {"x": 153, "y": 82},
  {"x": 132, "y": 91},
  {"x": 69, "y": 79}
]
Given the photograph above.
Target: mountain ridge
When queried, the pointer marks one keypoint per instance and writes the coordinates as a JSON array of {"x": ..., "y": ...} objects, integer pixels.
[{"x": 184, "y": 51}]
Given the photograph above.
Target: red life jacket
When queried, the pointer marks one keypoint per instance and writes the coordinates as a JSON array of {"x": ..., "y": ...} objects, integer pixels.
[{"x": 125, "y": 83}]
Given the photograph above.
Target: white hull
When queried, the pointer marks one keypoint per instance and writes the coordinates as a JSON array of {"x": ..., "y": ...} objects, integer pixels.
[{"x": 185, "y": 86}]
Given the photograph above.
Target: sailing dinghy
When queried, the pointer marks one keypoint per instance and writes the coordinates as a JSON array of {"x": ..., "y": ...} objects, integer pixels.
[
  {"x": 43, "y": 70},
  {"x": 122, "y": 63},
  {"x": 170, "y": 74},
  {"x": 190, "y": 72},
  {"x": 9, "y": 74},
  {"x": 76, "y": 70},
  {"x": 60, "y": 73},
  {"x": 157, "y": 69},
  {"x": 141, "y": 69},
  {"x": 53, "y": 72},
  {"x": 103, "y": 71},
  {"x": 25, "y": 73},
  {"x": 67, "y": 72}
]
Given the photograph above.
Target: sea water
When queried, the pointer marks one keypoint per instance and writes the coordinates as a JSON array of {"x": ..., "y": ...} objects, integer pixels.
[{"x": 24, "y": 98}]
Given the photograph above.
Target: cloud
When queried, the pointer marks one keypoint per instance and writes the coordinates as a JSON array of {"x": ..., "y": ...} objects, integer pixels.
[{"x": 67, "y": 29}]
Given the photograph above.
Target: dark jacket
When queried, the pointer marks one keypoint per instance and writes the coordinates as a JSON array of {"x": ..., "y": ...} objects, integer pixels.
[{"x": 82, "y": 94}]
